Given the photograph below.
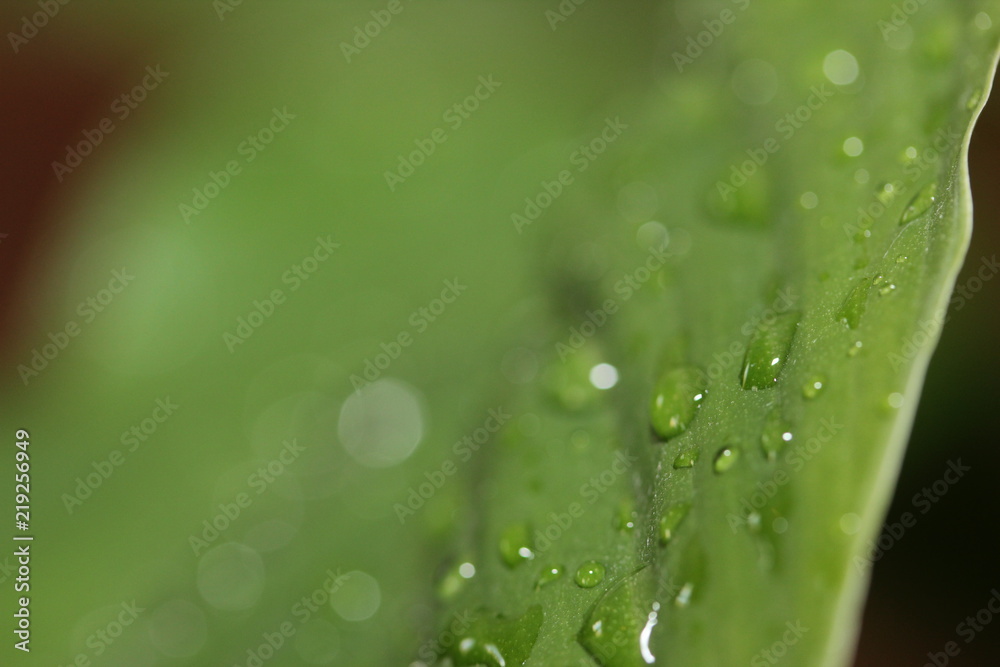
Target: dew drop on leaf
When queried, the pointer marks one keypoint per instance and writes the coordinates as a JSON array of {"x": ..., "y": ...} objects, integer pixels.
[
  {"x": 767, "y": 351},
  {"x": 515, "y": 544},
  {"x": 550, "y": 574},
  {"x": 854, "y": 304},
  {"x": 676, "y": 399},
  {"x": 776, "y": 434},
  {"x": 813, "y": 386},
  {"x": 617, "y": 630},
  {"x": 589, "y": 574},
  {"x": 920, "y": 204},
  {"x": 686, "y": 458},
  {"x": 725, "y": 459},
  {"x": 670, "y": 520}
]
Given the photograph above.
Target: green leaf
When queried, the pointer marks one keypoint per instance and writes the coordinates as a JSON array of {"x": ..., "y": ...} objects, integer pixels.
[{"x": 789, "y": 252}]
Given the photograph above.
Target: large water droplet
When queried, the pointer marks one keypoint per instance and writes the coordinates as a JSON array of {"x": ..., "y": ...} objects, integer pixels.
[
  {"x": 589, "y": 574},
  {"x": 920, "y": 203},
  {"x": 496, "y": 641},
  {"x": 776, "y": 434},
  {"x": 670, "y": 520},
  {"x": 618, "y": 628},
  {"x": 767, "y": 351},
  {"x": 515, "y": 544},
  {"x": 725, "y": 459},
  {"x": 855, "y": 303},
  {"x": 676, "y": 399}
]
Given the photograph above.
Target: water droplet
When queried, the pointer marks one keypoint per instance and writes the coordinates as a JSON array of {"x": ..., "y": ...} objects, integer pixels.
[
  {"x": 809, "y": 200},
  {"x": 813, "y": 386},
  {"x": 920, "y": 203},
  {"x": 841, "y": 67},
  {"x": 910, "y": 154},
  {"x": 683, "y": 598},
  {"x": 570, "y": 382},
  {"x": 983, "y": 21},
  {"x": 686, "y": 458},
  {"x": 902, "y": 259},
  {"x": 855, "y": 348},
  {"x": 357, "y": 598},
  {"x": 753, "y": 521},
  {"x": 725, "y": 459},
  {"x": 496, "y": 641},
  {"x": 624, "y": 519},
  {"x": 671, "y": 519},
  {"x": 767, "y": 351},
  {"x": 886, "y": 193},
  {"x": 617, "y": 631},
  {"x": 895, "y": 400},
  {"x": 853, "y": 146},
  {"x": 780, "y": 525},
  {"x": 515, "y": 544},
  {"x": 676, "y": 399},
  {"x": 855, "y": 303},
  {"x": 776, "y": 434},
  {"x": 550, "y": 574},
  {"x": 589, "y": 574}
]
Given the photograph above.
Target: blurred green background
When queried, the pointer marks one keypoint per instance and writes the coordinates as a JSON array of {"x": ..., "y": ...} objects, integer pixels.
[{"x": 323, "y": 517}]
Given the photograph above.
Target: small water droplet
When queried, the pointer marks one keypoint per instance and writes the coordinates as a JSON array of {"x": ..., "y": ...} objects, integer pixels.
[
  {"x": 767, "y": 351},
  {"x": 809, "y": 200},
  {"x": 780, "y": 525},
  {"x": 676, "y": 399},
  {"x": 624, "y": 519},
  {"x": 604, "y": 376},
  {"x": 886, "y": 193},
  {"x": 895, "y": 400},
  {"x": 550, "y": 574},
  {"x": 776, "y": 435},
  {"x": 454, "y": 580},
  {"x": 671, "y": 519},
  {"x": 813, "y": 386},
  {"x": 841, "y": 67},
  {"x": 686, "y": 458},
  {"x": 920, "y": 204},
  {"x": 496, "y": 641},
  {"x": 725, "y": 459},
  {"x": 855, "y": 303},
  {"x": 855, "y": 348},
  {"x": 753, "y": 521},
  {"x": 902, "y": 259},
  {"x": 983, "y": 21},
  {"x": 589, "y": 574},
  {"x": 515, "y": 544}
]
